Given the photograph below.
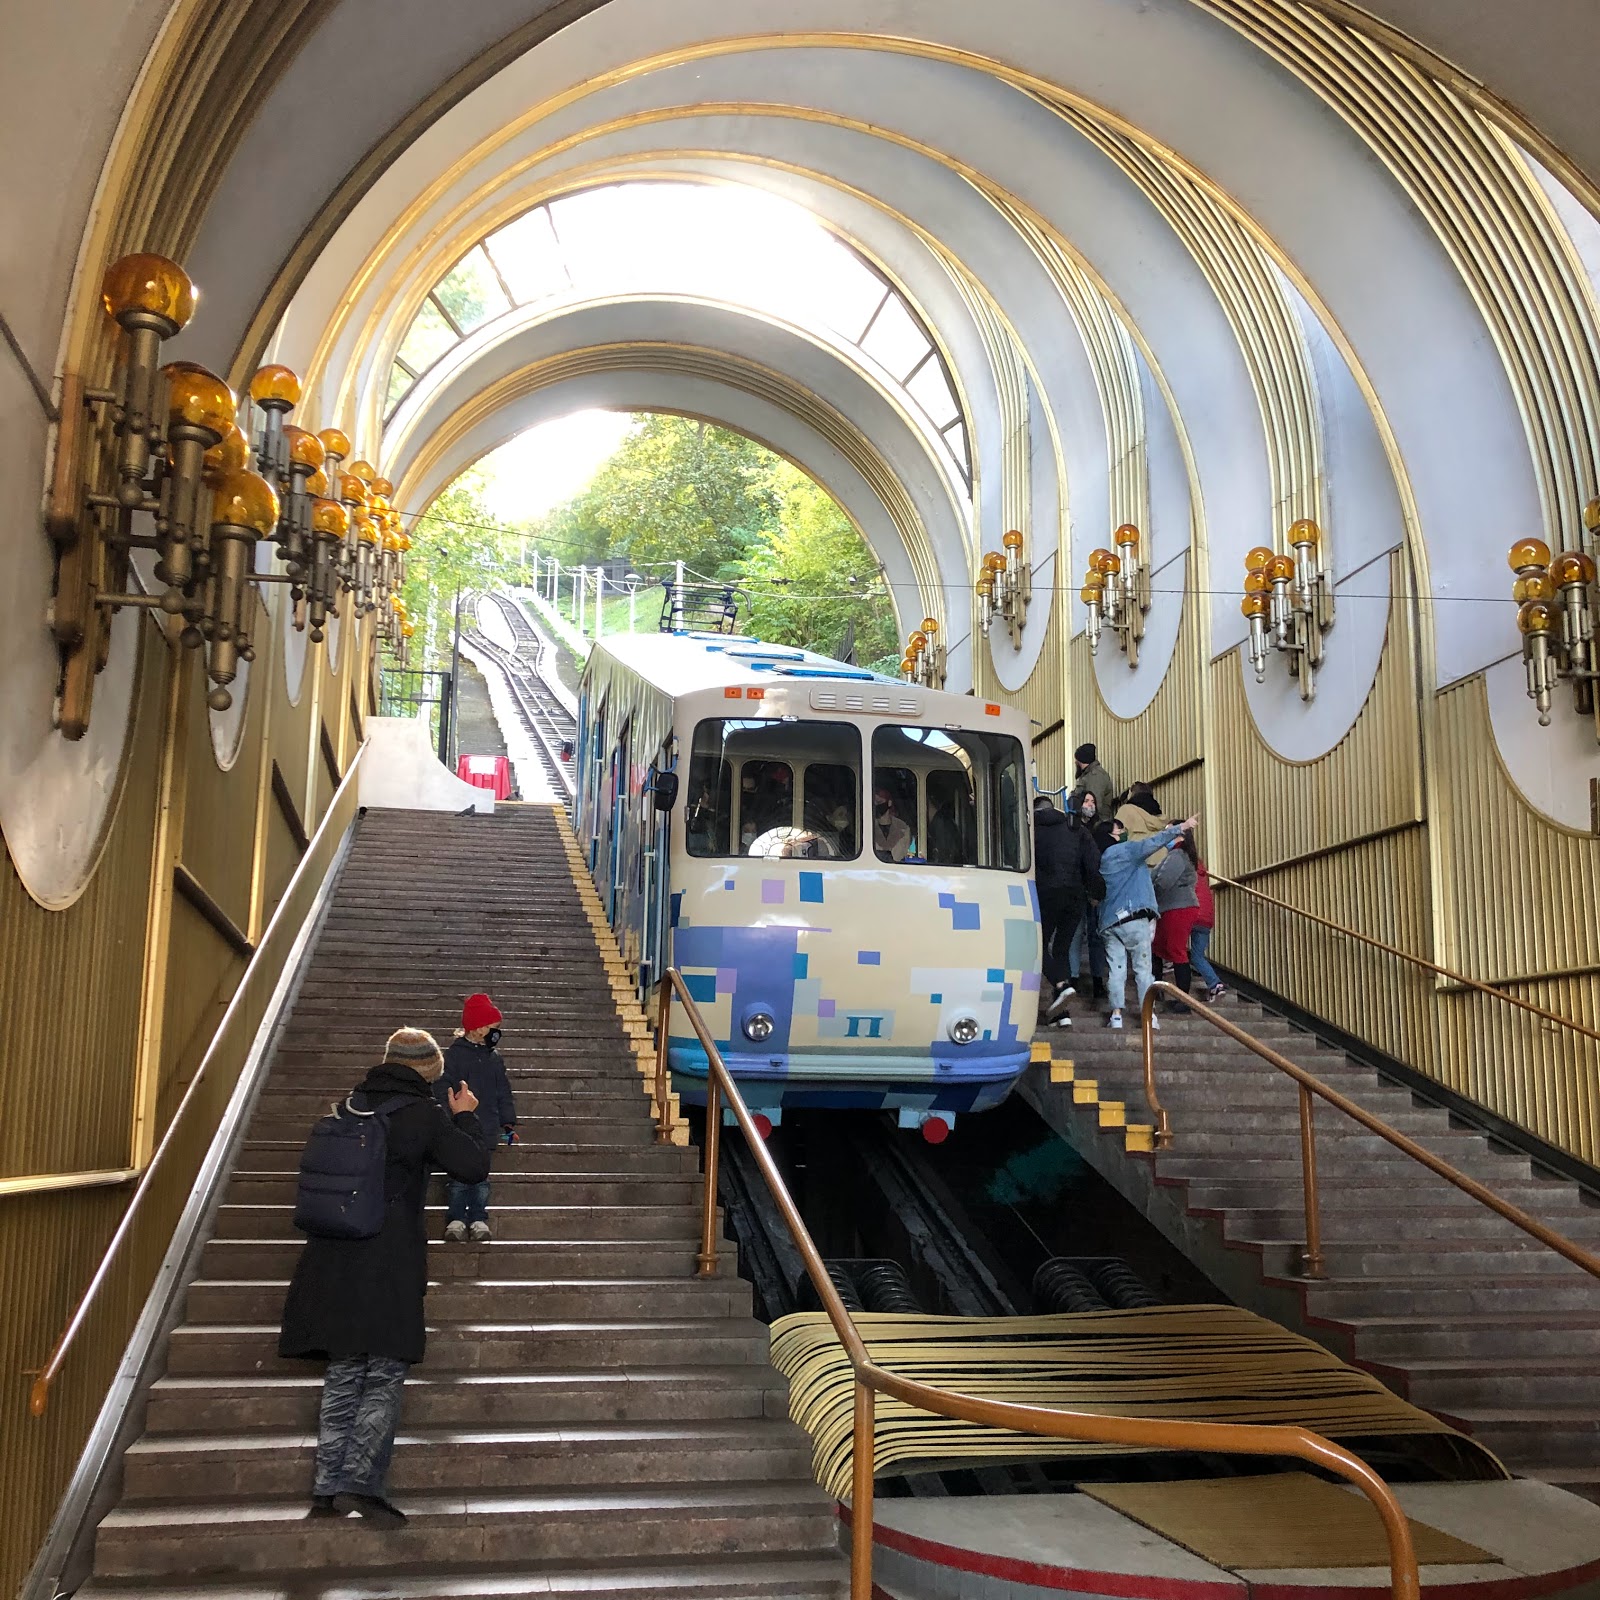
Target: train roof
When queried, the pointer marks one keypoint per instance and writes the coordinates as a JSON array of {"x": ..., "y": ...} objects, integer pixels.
[{"x": 684, "y": 663}]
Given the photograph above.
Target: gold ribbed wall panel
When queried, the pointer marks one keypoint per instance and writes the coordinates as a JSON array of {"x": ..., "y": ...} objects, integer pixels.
[
  {"x": 70, "y": 981},
  {"x": 1379, "y": 886},
  {"x": 71, "y": 990},
  {"x": 1275, "y": 810}
]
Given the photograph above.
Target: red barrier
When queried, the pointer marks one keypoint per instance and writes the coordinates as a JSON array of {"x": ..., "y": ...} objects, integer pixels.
[{"x": 486, "y": 772}]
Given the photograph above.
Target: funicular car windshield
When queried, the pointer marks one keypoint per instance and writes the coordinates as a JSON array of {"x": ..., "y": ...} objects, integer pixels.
[
  {"x": 776, "y": 789},
  {"x": 949, "y": 797}
]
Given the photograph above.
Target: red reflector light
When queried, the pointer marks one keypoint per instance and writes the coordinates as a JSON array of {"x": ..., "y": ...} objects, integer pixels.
[
  {"x": 763, "y": 1124},
  {"x": 991, "y": 711},
  {"x": 935, "y": 1130}
]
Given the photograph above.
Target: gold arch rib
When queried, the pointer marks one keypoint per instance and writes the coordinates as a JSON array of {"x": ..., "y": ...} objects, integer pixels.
[{"x": 717, "y": 366}]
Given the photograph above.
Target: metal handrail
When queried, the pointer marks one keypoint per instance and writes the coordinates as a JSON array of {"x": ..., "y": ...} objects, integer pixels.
[
  {"x": 1313, "y": 1265},
  {"x": 1476, "y": 984},
  {"x": 276, "y": 929},
  {"x": 872, "y": 1380}
]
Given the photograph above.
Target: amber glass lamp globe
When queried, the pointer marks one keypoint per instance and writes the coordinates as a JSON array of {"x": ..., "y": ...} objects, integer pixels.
[
  {"x": 1091, "y": 597},
  {"x": 1012, "y": 540},
  {"x": 306, "y": 448},
  {"x": 364, "y": 470},
  {"x": 230, "y": 454},
  {"x": 317, "y": 483},
  {"x": 1254, "y": 605},
  {"x": 384, "y": 487},
  {"x": 1256, "y": 583},
  {"x": 352, "y": 488},
  {"x": 366, "y": 528},
  {"x": 1280, "y": 569},
  {"x": 930, "y": 626},
  {"x": 1125, "y": 536},
  {"x": 245, "y": 500},
  {"x": 335, "y": 441},
  {"x": 1536, "y": 586},
  {"x": 1572, "y": 567},
  {"x": 1537, "y": 616},
  {"x": 1528, "y": 553},
  {"x": 1256, "y": 560},
  {"x": 199, "y": 399},
  {"x": 328, "y": 517},
  {"x": 275, "y": 387},
  {"x": 150, "y": 284},
  {"x": 1305, "y": 531}
]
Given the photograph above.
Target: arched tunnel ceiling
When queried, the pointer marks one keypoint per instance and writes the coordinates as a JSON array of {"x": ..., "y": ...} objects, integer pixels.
[{"x": 1170, "y": 252}]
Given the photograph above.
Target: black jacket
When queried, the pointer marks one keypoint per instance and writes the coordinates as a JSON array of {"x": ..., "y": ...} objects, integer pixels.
[
  {"x": 1066, "y": 858},
  {"x": 481, "y": 1069},
  {"x": 363, "y": 1297}
]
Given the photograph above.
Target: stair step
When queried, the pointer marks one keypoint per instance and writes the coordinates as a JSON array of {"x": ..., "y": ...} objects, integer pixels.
[
  {"x": 440, "y": 1399},
  {"x": 500, "y": 1260},
  {"x": 533, "y": 1346},
  {"x": 738, "y": 1577},
  {"x": 457, "y": 1301},
  {"x": 261, "y": 1537},
  {"x": 494, "y": 1456}
]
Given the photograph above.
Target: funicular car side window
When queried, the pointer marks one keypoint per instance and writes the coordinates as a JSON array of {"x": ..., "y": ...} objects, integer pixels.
[
  {"x": 769, "y": 788},
  {"x": 948, "y": 796}
]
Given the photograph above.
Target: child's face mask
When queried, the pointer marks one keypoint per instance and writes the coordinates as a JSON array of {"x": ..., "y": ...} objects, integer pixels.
[{"x": 491, "y": 1039}]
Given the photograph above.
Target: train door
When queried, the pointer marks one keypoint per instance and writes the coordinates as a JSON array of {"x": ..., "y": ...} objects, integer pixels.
[
  {"x": 616, "y": 855},
  {"x": 655, "y": 888}
]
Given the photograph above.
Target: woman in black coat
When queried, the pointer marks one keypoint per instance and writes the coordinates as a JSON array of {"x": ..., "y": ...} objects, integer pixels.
[{"x": 357, "y": 1303}]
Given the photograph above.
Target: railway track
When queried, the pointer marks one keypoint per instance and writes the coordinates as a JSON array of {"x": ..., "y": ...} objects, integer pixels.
[{"x": 543, "y": 716}]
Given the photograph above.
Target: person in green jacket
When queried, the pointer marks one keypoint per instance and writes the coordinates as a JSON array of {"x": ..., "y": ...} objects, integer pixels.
[{"x": 1093, "y": 779}]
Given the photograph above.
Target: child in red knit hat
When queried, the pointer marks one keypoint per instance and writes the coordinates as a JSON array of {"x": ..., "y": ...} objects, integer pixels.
[{"x": 473, "y": 1060}]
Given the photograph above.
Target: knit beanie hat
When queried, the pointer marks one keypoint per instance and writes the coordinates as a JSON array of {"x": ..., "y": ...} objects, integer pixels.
[
  {"x": 1084, "y": 753},
  {"x": 479, "y": 1012},
  {"x": 411, "y": 1047}
]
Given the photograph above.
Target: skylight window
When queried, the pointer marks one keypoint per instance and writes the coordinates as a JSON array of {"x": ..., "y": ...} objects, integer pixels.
[{"x": 711, "y": 241}]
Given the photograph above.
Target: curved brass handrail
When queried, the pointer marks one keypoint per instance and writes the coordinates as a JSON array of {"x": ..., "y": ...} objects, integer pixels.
[
  {"x": 280, "y": 931},
  {"x": 872, "y": 1380},
  {"x": 1313, "y": 1265},
  {"x": 1476, "y": 984}
]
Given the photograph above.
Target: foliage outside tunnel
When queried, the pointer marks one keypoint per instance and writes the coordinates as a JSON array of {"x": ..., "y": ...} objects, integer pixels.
[{"x": 675, "y": 490}]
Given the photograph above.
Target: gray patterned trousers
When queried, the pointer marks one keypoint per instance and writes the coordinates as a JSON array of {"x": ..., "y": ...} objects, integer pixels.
[{"x": 355, "y": 1432}]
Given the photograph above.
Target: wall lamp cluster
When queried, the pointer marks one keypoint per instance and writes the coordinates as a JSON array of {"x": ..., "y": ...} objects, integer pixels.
[
  {"x": 1004, "y": 587},
  {"x": 1288, "y": 602},
  {"x": 159, "y": 463},
  {"x": 923, "y": 661},
  {"x": 1556, "y": 603},
  {"x": 1116, "y": 591}
]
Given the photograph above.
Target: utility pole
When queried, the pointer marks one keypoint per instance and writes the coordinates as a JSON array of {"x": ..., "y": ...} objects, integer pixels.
[
  {"x": 599, "y": 600},
  {"x": 449, "y": 736},
  {"x": 677, "y": 597},
  {"x": 632, "y": 581},
  {"x": 580, "y": 592}
]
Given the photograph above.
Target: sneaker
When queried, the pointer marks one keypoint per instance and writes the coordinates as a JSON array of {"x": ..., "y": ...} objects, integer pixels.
[
  {"x": 481, "y": 1231},
  {"x": 372, "y": 1507},
  {"x": 1059, "y": 1004},
  {"x": 322, "y": 1506},
  {"x": 1216, "y": 992},
  {"x": 455, "y": 1232},
  {"x": 1063, "y": 1022},
  {"x": 1114, "y": 1020}
]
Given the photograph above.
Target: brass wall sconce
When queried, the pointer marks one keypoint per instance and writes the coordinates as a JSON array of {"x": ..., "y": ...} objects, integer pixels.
[
  {"x": 1556, "y": 603},
  {"x": 1116, "y": 592},
  {"x": 1288, "y": 603},
  {"x": 1004, "y": 587},
  {"x": 923, "y": 662},
  {"x": 159, "y": 462}
]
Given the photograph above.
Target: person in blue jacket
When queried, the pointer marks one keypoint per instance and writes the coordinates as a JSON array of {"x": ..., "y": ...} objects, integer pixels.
[
  {"x": 473, "y": 1061},
  {"x": 1128, "y": 912}
]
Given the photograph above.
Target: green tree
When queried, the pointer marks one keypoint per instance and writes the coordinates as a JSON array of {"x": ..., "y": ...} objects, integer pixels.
[
  {"x": 455, "y": 546},
  {"x": 816, "y": 576}
]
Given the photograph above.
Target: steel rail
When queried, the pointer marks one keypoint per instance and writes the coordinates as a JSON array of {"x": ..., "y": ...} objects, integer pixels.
[
  {"x": 319, "y": 855},
  {"x": 547, "y": 728},
  {"x": 1313, "y": 1088},
  {"x": 1446, "y": 973},
  {"x": 872, "y": 1380}
]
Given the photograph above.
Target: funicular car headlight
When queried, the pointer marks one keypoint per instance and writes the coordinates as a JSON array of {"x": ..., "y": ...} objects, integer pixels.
[
  {"x": 758, "y": 1026},
  {"x": 963, "y": 1027}
]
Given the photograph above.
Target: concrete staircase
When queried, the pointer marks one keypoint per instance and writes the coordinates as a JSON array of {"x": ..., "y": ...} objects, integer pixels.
[
  {"x": 1454, "y": 1308},
  {"x": 592, "y": 1418}
]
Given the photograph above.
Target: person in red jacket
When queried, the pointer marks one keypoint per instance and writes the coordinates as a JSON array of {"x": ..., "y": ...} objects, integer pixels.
[{"x": 1200, "y": 935}]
